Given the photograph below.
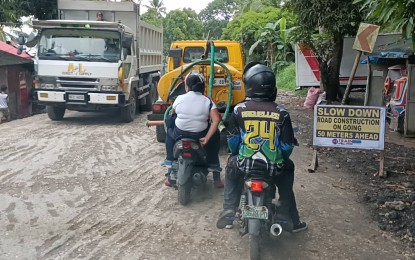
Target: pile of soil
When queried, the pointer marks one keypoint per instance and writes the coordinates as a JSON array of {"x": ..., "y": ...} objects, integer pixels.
[{"x": 391, "y": 200}]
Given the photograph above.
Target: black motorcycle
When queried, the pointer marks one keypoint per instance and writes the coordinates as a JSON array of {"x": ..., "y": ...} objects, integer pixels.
[
  {"x": 189, "y": 169},
  {"x": 257, "y": 215}
]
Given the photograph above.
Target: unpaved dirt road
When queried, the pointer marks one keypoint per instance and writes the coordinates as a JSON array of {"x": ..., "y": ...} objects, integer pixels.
[{"x": 90, "y": 187}]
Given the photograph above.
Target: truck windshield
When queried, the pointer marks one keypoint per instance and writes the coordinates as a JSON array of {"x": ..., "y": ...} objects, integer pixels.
[
  {"x": 192, "y": 54},
  {"x": 79, "y": 44}
]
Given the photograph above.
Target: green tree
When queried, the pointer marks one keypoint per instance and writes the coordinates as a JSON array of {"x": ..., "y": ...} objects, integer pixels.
[
  {"x": 181, "y": 25},
  {"x": 158, "y": 6},
  {"x": 216, "y": 16},
  {"x": 248, "y": 27},
  {"x": 397, "y": 14},
  {"x": 152, "y": 17},
  {"x": 323, "y": 25},
  {"x": 12, "y": 10},
  {"x": 258, "y": 5}
]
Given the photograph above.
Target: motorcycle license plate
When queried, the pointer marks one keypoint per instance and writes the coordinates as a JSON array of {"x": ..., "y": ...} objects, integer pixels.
[{"x": 255, "y": 212}]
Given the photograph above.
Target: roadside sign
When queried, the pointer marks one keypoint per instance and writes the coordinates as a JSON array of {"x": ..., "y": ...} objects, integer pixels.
[
  {"x": 354, "y": 127},
  {"x": 366, "y": 37}
]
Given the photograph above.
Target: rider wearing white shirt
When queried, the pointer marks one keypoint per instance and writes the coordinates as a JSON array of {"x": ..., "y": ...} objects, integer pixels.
[
  {"x": 198, "y": 118},
  {"x": 191, "y": 111}
]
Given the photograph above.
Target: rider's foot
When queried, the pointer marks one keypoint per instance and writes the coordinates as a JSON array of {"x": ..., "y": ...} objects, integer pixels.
[
  {"x": 167, "y": 183},
  {"x": 226, "y": 219},
  {"x": 299, "y": 227},
  {"x": 218, "y": 184},
  {"x": 166, "y": 163}
]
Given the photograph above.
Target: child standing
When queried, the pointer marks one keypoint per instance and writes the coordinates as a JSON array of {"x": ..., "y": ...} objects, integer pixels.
[{"x": 4, "y": 106}]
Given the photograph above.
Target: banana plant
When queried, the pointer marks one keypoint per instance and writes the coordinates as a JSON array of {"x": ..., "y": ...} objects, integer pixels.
[{"x": 275, "y": 39}]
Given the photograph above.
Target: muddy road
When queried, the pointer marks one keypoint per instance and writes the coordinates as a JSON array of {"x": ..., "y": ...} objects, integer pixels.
[{"x": 90, "y": 187}]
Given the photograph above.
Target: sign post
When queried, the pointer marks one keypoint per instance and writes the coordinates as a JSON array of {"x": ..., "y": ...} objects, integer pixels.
[
  {"x": 355, "y": 127},
  {"x": 365, "y": 42}
]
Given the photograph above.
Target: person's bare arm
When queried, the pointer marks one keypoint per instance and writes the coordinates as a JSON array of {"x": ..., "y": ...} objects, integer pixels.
[{"x": 215, "y": 120}]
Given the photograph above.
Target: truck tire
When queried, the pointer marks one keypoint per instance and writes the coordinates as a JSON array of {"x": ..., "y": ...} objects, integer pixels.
[
  {"x": 128, "y": 112},
  {"x": 160, "y": 134},
  {"x": 55, "y": 113},
  {"x": 150, "y": 98}
]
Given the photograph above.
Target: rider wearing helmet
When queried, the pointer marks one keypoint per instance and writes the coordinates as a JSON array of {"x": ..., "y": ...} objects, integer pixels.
[
  {"x": 261, "y": 139},
  {"x": 196, "y": 117}
]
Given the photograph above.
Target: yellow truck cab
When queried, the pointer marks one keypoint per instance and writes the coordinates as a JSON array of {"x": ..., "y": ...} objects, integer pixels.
[{"x": 186, "y": 56}]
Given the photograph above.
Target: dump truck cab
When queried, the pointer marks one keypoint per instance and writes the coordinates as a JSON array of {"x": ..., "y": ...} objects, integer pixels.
[{"x": 225, "y": 86}]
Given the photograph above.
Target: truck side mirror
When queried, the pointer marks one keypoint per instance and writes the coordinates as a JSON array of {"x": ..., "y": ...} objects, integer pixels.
[{"x": 176, "y": 54}]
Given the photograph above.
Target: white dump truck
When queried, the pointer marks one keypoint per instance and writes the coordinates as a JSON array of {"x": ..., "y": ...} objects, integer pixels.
[{"x": 86, "y": 65}]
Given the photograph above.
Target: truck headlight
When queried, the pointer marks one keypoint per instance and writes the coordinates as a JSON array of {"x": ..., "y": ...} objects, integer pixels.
[{"x": 109, "y": 88}]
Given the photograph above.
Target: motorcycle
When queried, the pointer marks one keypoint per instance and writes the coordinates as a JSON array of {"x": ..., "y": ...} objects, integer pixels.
[
  {"x": 257, "y": 215},
  {"x": 189, "y": 169}
]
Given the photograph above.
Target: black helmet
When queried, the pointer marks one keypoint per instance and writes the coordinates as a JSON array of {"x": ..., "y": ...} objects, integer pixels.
[
  {"x": 259, "y": 81},
  {"x": 195, "y": 81}
]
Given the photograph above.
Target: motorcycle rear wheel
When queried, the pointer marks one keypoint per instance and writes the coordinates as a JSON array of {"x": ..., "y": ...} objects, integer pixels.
[
  {"x": 254, "y": 242},
  {"x": 184, "y": 193}
]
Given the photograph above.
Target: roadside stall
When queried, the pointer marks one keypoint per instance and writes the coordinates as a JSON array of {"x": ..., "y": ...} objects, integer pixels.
[{"x": 391, "y": 66}]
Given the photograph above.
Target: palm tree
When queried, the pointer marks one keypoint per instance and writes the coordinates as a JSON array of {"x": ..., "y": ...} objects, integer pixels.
[{"x": 158, "y": 6}]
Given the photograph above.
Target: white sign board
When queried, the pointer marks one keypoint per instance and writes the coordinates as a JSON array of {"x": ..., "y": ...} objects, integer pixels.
[{"x": 354, "y": 127}]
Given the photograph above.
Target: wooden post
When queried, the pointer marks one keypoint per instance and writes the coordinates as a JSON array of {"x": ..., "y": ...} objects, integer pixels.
[
  {"x": 314, "y": 162},
  {"x": 382, "y": 172},
  {"x": 349, "y": 84}
]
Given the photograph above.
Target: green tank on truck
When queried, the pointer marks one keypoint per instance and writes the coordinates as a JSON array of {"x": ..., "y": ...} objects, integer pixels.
[{"x": 88, "y": 65}]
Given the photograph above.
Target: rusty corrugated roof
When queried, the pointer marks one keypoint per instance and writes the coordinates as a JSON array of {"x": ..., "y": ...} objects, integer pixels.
[{"x": 9, "y": 56}]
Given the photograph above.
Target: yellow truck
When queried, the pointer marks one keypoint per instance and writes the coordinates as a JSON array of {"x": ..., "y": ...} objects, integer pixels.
[{"x": 224, "y": 85}]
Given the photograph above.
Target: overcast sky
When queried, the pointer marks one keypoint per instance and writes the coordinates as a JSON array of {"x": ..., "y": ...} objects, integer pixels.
[{"x": 196, "y": 5}]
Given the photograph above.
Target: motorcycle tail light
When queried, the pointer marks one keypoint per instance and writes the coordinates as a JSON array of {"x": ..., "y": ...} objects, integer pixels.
[
  {"x": 157, "y": 108},
  {"x": 256, "y": 186},
  {"x": 187, "y": 154},
  {"x": 186, "y": 144}
]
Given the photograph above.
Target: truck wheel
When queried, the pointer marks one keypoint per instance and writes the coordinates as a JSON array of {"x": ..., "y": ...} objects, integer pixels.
[
  {"x": 151, "y": 97},
  {"x": 128, "y": 112},
  {"x": 160, "y": 134},
  {"x": 55, "y": 113}
]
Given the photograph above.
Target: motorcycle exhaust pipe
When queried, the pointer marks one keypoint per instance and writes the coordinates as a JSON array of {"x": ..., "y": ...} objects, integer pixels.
[{"x": 276, "y": 230}]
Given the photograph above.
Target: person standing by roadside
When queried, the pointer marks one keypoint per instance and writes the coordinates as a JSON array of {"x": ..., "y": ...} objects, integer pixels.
[{"x": 4, "y": 103}]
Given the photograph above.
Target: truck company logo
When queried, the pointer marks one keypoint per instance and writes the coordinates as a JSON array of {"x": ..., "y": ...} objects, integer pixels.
[{"x": 76, "y": 70}]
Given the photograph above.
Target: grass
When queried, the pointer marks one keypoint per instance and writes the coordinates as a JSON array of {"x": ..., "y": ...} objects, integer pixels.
[{"x": 286, "y": 80}]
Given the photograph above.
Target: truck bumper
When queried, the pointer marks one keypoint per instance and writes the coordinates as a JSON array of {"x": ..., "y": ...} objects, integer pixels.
[{"x": 47, "y": 97}]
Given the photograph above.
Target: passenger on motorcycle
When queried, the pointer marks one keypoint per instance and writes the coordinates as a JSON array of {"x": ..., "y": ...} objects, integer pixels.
[
  {"x": 195, "y": 116},
  {"x": 261, "y": 139}
]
